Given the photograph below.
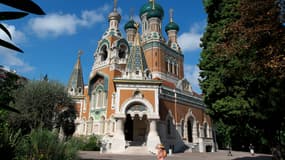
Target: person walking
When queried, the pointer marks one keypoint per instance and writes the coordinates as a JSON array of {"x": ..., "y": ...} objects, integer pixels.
[
  {"x": 251, "y": 149},
  {"x": 161, "y": 152}
]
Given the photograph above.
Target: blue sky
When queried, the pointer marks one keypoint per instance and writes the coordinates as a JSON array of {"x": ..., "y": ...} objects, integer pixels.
[{"x": 51, "y": 42}]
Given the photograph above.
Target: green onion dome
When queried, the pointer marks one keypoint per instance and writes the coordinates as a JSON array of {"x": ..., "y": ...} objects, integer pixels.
[
  {"x": 171, "y": 26},
  {"x": 154, "y": 13},
  {"x": 148, "y": 7},
  {"x": 130, "y": 24}
]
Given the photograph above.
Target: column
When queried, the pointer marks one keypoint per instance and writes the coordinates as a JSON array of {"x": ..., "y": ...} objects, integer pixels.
[
  {"x": 152, "y": 138},
  {"x": 118, "y": 141}
]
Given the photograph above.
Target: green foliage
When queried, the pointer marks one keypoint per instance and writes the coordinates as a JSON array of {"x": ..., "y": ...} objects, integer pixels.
[
  {"x": 8, "y": 83},
  {"x": 25, "y": 5},
  {"x": 242, "y": 78},
  {"x": 91, "y": 143},
  {"x": 42, "y": 104},
  {"x": 42, "y": 144},
  {"x": 9, "y": 142}
]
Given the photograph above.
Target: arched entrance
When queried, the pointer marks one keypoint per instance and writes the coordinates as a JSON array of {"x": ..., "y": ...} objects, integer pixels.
[
  {"x": 129, "y": 128},
  {"x": 190, "y": 129},
  {"x": 136, "y": 126}
]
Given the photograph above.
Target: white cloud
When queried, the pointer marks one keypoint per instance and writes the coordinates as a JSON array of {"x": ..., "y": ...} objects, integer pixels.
[
  {"x": 190, "y": 41},
  {"x": 192, "y": 74},
  {"x": 58, "y": 24},
  {"x": 17, "y": 36},
  {"x": 9, "y": 57}
]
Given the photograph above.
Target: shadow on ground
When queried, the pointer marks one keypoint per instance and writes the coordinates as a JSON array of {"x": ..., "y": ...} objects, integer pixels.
[{"x": 254, "y": 158}]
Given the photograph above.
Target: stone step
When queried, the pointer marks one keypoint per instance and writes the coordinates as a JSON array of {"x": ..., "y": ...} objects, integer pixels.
[{"x": 138, "y": 150}]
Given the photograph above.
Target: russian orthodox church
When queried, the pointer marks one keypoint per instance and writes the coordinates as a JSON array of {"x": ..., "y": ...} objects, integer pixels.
[{"x": 137, "y": 96}]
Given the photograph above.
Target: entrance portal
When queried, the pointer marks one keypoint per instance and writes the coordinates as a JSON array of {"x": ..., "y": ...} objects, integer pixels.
[
  {"x": 136, "y": 126},
  {"x": 128, "y": 128},
  {"x": 136, "y": 130}
]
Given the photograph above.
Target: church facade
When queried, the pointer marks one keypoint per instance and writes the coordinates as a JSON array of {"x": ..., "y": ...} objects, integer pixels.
[{"x": 137, "y": 96}]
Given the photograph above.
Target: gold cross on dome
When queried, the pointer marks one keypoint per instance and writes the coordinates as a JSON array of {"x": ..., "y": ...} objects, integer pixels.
[
  {"x": 153, "y": 4},
  {"x": 115, "y": 5},
  {"x": 171, "y": 14},
  {"x": 80, "y": 52}
]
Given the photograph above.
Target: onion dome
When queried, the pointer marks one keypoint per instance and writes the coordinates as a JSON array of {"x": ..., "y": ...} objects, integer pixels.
[
  {"x": 154, "y": 13},
  {"x": 171, "y": 26},
  {"x": 154, "y": 7},
  {"x": 114, "y": 16},
  {"x": 130, "y": 24}
]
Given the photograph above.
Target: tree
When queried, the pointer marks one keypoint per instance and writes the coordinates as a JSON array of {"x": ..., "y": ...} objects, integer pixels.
[
  {"x": 41, "y": 104},
  {"x": 27, "y": 6},
  {"x": 214, "y": 65},
  {"x": 8, "y": 82},
  {"x": 242, "y": 65}
]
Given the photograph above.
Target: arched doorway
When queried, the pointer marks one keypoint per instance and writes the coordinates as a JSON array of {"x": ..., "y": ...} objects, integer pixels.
[
  {"x": 190, "y": 129},
  {"x": 136, "y": 126},
  {"x": 128, "y": 128}
]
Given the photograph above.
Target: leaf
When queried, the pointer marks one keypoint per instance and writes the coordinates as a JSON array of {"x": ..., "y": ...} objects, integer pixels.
[
  {"x": 8, "y": 108},
  {"x": 5, "y": 30},
  {"x": 12, "y": 15},
  {"x": 25, "y": 5},
  {"x": 9, "y": 45}
]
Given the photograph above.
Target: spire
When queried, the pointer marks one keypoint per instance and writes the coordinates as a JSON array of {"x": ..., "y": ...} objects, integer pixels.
[
  {"x": 75, "y": 83},
  {"x": 152, "y": 4},
  {"x": 136, "y": 63}
]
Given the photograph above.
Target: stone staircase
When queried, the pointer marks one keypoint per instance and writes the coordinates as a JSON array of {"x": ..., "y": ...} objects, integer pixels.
[{"x": 137, "y": 150}]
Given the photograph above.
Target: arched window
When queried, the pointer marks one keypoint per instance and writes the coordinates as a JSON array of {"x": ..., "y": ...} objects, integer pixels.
[
  {"x": 190, "y": 129},
  {"x": 182, "y": 128},
  {"x": 198, "y": 130},
  {"x": 102, "y": 125},
  {"x": 205, "y": 130},
  {"x": 104, "y": 53},
  {"x": 98, "y": 99},
  {"x": 122, "y": 51}
]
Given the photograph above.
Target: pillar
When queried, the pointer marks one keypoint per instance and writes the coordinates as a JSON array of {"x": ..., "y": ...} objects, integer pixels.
[
  {"x": 152, "y": 138},
  {"x": 118, "y": 141}
]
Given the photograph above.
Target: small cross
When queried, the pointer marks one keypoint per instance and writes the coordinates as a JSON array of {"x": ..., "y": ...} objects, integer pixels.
[
  {"x": 171, "y": 14},
  {"x": 152, "y": 3},
  {"x": 115, "y": 5},
  {"x": 80, "y": 52}
]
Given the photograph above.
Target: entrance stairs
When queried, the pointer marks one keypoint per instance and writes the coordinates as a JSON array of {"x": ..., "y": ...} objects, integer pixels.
[{"x": 137, "y": 148}]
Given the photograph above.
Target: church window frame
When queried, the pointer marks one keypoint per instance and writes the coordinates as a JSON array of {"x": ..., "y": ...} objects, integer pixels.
[
  {"x": 122, "y": 51},
  {"x": 104, "y": 52},
  {"x": 98, "y": 99}
]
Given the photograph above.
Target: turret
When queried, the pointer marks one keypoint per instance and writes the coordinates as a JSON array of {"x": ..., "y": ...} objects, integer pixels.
[
  {"x": 130, "y": 30},
  {"x": 151, "y": 15},
  {"x": 114, "y": 17},
  {"x": 172, "y": 29}
]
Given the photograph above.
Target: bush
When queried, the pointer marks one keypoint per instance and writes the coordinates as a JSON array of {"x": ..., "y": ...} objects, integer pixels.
[
  {"x": 9, "y": 142},
  {"x": 91, "y": 143},
  {"x": 42, "y": 144}
]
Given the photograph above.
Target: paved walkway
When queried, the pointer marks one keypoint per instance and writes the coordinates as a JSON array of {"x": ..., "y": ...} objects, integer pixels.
[{"x": 220, "y": 155}]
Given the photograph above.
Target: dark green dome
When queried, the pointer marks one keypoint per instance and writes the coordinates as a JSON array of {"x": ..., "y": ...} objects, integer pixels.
[
  {"x": 130, "y": 24},
  {"x": 171, "y": 26},
  {"x": 154, "y": 13},
  {"x": 146, "y": 8}
]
